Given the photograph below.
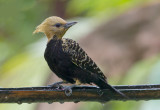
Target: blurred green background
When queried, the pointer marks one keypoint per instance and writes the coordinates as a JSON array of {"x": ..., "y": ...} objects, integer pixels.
[{"x": 122, "y": 36}]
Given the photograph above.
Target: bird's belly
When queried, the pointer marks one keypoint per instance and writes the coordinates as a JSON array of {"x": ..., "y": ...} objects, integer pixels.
[
  {"x": 60, "y": 65},
  {"x": 66, "y": 70}
]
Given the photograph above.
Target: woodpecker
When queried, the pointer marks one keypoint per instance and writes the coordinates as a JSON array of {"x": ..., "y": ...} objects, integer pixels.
[{"x": 67, "y": 59}]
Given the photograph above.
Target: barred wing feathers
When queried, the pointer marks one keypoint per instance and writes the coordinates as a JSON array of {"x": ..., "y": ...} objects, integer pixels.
[{"x": 80, "y": 58}]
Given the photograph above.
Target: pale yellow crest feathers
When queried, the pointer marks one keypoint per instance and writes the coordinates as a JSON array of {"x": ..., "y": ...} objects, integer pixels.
[
  {"x": 48, "y": 22},
  {"x": 47, "y": 26}
]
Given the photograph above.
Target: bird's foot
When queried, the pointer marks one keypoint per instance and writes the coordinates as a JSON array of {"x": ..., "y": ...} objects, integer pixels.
[
  {"x": 57, "y": 85},
  {"x": 100, "y": 92},
  {"x": 68, "y": 90}
]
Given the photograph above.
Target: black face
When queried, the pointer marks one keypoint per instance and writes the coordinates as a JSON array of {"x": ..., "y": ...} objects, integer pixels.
[{"x": 58, "y": 25}]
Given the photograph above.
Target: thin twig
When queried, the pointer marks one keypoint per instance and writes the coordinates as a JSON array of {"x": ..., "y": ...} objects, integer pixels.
[{"x": 81, "y": 93}]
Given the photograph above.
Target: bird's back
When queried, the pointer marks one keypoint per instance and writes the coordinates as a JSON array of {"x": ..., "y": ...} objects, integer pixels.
[{"x": 86, "y": 67}]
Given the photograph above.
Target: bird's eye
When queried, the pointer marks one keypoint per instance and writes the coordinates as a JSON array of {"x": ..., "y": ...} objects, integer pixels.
[{"x": 57, "y": 25}]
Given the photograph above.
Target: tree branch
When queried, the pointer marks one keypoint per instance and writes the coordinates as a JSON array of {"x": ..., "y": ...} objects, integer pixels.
[{"x": 80, "y": 93}]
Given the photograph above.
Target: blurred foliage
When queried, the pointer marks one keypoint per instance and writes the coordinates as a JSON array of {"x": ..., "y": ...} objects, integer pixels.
[
  {"x": 94, "y": 7},
  {"x": 18, "y": 66},
  {"x": 17, "y": 22},
  {"x": 141, "y": 71},
  {"x": 23, "y": 65},
  {"x": 26, "y": 69}
]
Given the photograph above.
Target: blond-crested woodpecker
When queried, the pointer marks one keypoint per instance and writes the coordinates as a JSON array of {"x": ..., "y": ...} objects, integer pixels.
[{"x": 67, "y": 59}]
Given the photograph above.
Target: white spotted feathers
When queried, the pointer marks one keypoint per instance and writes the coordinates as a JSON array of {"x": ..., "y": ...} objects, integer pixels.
[{"x": 80, "y": 58}]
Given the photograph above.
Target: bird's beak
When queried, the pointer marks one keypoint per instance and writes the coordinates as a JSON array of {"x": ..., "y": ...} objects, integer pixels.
[{"x": 68, "y": 25}]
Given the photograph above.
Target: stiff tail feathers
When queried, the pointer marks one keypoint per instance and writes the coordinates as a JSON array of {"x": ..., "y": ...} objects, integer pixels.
[{"x": 104, "y": 85}]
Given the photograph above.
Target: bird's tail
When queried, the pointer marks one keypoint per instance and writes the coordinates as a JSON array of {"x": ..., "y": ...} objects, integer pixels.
[{"x": 104, "y": 85}]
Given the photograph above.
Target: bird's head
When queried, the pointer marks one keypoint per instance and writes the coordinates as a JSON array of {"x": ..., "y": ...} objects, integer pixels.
[{"x": 52, "y": 26}]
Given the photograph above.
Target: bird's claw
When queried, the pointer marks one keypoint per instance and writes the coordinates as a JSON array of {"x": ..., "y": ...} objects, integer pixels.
[
  {"x": 68, "y": 91},
  {"x": 57, "y": 86},
  {"x": 60, "y": 87},
  {"x": 100, "y": 92}
]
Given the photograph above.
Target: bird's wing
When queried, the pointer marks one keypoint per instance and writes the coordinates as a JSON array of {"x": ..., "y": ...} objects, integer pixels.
[{"x": 80, "y": 58}]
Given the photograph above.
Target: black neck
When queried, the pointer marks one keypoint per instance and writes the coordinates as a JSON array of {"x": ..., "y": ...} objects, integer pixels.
[{"x": 53, "y": 41}]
